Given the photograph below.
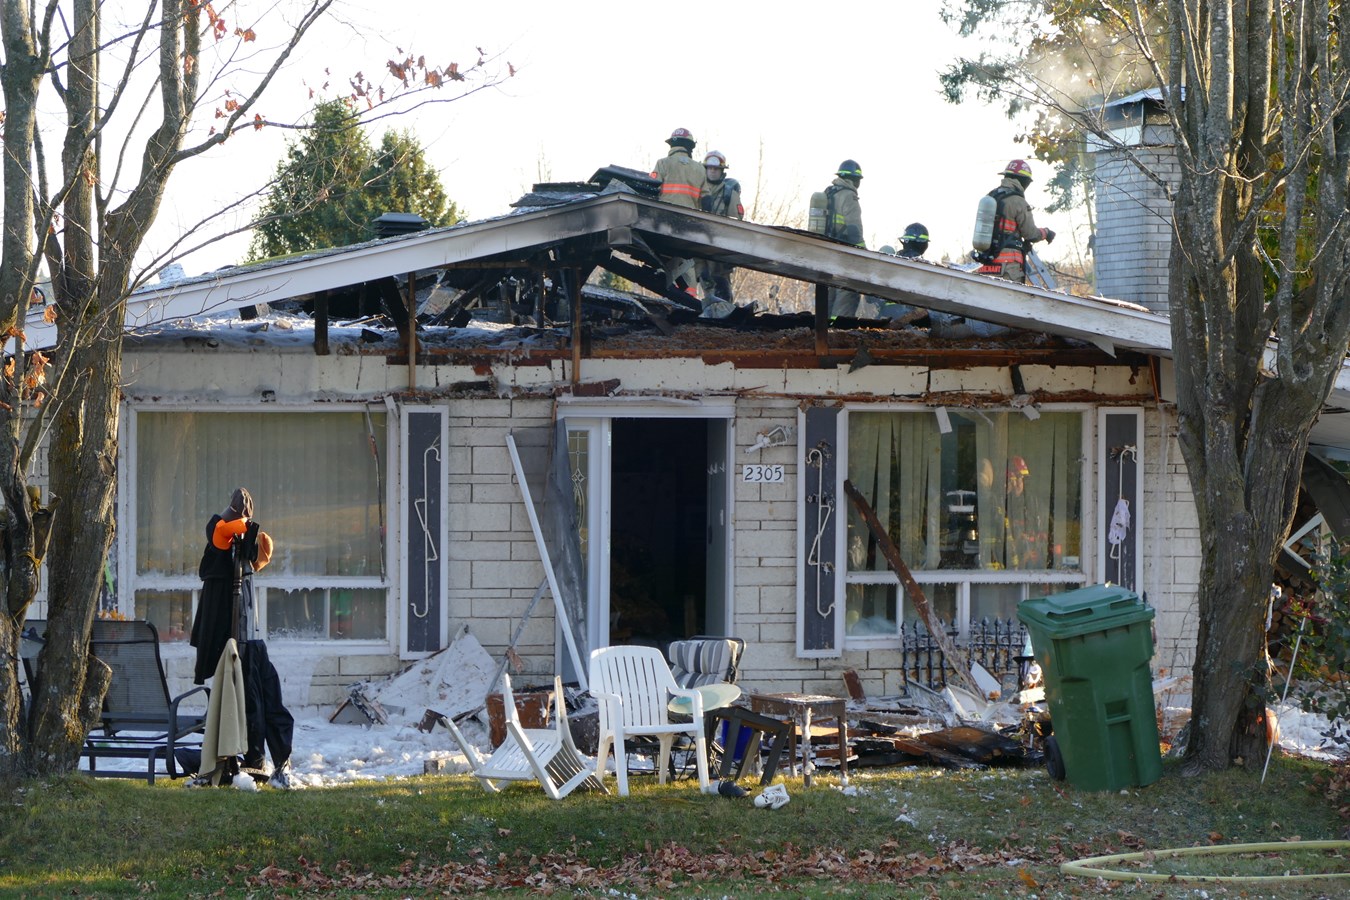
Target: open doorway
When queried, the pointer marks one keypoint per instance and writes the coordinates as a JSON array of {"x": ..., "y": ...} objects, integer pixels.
[{"x": 660, "y": 534}]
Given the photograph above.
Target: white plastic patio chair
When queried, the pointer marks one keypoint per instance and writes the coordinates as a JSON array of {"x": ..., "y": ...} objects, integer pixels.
[
  {"x": 546, "y": 755},
  {"x": 634, "y": 687}
]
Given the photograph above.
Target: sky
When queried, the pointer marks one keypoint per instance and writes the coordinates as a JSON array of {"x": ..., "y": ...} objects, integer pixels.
[{"x": 787, "y": 92}]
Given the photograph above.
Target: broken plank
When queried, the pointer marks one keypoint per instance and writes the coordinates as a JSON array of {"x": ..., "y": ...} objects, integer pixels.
[
  {"x": 977, "y": 744},
  {"x": 954, "y": 655}
]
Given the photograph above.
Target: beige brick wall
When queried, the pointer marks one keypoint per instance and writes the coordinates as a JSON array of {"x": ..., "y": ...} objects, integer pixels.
[{"x": 494, "y": 566}]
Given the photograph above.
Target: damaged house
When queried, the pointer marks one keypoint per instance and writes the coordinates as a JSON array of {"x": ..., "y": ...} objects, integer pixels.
[{"x": 685, "y": 475}]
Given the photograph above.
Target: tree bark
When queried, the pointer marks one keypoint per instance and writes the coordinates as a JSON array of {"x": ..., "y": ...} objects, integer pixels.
[
  {"x": 1244, "y": 423},
  {"x": 19, "y": 76}
]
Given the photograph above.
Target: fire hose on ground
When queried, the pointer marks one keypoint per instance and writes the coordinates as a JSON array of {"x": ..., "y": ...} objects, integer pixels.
[{"x": 1091, "y": 867}]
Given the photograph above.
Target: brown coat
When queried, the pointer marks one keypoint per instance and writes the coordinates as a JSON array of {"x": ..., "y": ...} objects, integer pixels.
[{"x": 683, "y": 181}]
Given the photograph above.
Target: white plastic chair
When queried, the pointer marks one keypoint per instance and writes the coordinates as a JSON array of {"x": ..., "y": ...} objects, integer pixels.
[
  {"x": 546, "y": 755},
  {"x": 634, "y": 687}
]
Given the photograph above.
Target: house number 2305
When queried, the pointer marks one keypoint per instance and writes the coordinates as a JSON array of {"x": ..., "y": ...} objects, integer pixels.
[{"x": 764, "y": 474}]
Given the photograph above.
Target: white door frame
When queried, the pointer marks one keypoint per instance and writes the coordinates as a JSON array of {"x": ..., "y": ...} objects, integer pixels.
[{"x": 596, "y": 417}]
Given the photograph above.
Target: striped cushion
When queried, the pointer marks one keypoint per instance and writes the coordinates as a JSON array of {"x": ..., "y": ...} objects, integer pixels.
[{"x": 695, "y": 663}]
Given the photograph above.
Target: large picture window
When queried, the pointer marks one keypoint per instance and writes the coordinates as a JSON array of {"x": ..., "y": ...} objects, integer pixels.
[
  {"x": 980, "y": 511},
  {"x": 318, "y": 486}
]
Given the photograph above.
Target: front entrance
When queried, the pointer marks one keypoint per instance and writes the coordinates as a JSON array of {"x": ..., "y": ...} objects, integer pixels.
[{"x": 656, "y": 488}]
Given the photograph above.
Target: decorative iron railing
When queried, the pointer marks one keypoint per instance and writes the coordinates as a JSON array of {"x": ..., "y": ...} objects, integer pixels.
[{"x": 995, "y": 644}]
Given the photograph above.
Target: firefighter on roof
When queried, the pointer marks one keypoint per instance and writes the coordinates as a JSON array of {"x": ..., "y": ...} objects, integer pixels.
[
  {"x": 1014, "y": 227},
  {"x": 723, "y": 197},
  {"x": 683, "y": 180},
  {"x": 843, "y": 222},
  {"x": 914, "y": 242},
  {"x": 843, "y": 215},
  {"x": 683, "y": 183}
]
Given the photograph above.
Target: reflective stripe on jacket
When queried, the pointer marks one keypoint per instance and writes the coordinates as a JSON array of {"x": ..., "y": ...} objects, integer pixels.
[{"x": 683, "y": 181}]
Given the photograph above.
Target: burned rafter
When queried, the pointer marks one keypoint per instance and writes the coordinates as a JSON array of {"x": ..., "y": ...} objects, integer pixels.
[
  {"x": 651, "y": 279},
  {"x": 462, "y": 303}
]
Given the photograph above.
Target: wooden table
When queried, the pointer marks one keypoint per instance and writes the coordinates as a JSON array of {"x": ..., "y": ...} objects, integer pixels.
[{"x": 799, "y": 710}]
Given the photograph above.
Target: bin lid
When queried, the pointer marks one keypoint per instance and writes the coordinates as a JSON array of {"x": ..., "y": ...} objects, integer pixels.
[{"x": 1092, "y": 608}]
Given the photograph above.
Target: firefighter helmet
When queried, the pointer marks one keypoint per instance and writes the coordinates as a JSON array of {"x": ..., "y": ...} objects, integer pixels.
[
  {"x": 850, "y": 169},
  {"x": 715, "y": 158},
  {"x": 1018, "y": 168},
  {"x": 915, "y": 233},
  {"x": 682, "y": 137}
]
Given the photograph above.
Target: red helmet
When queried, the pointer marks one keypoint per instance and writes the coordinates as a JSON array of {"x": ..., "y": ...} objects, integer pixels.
[
  {"x": 1018, "y": 168},
  {"x": 681, "y": 136}
]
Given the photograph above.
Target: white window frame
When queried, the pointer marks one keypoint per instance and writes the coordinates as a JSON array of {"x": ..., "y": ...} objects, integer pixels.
[
  {"x": 962, "y": 578},
  {"x": 129, "y": 581}
]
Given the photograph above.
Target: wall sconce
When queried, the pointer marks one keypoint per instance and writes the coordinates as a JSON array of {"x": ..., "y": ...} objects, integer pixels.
[{"x": 778, "y": 436}]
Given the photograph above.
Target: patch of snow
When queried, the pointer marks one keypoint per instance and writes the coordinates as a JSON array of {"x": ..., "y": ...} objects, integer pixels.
[
  {"x": 1309, "y": 734},
  {"x": 451, "y": 682}
]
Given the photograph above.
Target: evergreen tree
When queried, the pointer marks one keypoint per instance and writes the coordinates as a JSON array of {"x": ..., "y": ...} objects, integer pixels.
[{"x": 334, "y": 183}]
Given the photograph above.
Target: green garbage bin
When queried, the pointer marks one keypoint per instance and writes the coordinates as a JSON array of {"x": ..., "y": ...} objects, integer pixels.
[{"x": 1094, "y": 645}]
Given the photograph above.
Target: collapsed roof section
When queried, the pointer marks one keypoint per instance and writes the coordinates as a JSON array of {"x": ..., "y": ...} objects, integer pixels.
[{"x": 628, "y": 234}]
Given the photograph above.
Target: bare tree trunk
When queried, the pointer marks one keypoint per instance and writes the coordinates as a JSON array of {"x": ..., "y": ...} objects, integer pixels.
[
  {"x": 1244, "y": 423},
  {"x": 57, "y": 726},
  {"x": 84, "y": 467},
  {"x": 20, "y": 75}
]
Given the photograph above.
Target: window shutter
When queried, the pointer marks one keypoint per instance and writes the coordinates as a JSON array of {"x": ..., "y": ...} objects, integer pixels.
[
  {"x": 1121, "y": 464},
  {"x": 818, "y": 615},
  {"x": 425, "y": 529}
]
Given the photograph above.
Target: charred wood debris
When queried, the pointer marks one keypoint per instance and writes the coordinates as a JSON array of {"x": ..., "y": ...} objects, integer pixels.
[{"x": 533, "y": 298}]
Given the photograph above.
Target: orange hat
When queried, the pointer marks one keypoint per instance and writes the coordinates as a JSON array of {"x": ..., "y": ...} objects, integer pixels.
[{"x": 1017, "y": 466}]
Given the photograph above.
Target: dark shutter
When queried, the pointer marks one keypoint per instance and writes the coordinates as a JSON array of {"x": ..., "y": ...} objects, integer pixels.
[
  {"x": 1120, "y": 468},
  {"x": 818, "y": 613},
  {"x": 423, "y": 530}
]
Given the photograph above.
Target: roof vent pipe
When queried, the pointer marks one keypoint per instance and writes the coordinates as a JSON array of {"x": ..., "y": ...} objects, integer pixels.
[{"x": 392, "y": 224}]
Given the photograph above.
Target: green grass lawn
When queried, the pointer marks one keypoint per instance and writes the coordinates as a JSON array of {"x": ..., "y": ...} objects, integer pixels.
[{"x": 896, "y": 833}]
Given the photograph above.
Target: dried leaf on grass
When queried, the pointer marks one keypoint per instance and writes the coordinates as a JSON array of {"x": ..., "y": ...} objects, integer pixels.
[{"x": 658, "y": 868}]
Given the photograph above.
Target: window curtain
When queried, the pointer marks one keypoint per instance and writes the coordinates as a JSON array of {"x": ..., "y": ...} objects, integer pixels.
[
  {"x": 317, "y": 482},
  {"x": 1027, "y": 476},
  {"x": 895, "y": 463},
  {"x": 1030, "y": 486}
]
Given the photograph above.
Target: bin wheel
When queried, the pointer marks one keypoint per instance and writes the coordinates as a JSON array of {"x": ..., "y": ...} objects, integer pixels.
[{"x": 1054, "y": 760}]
